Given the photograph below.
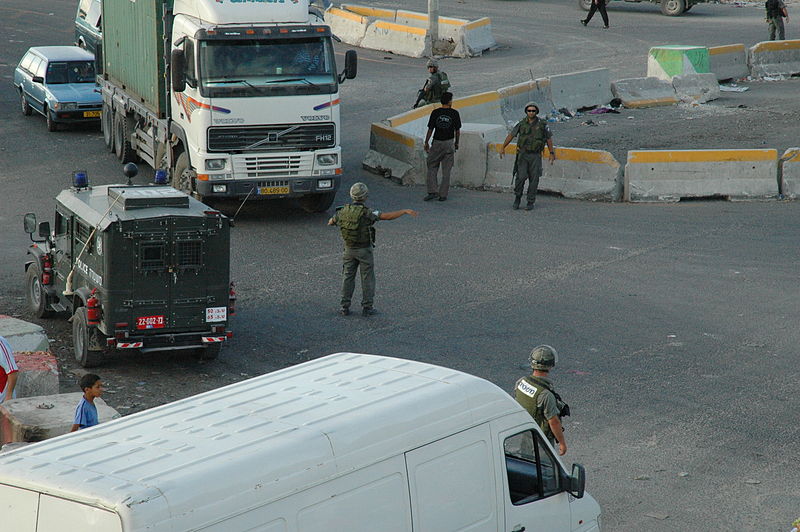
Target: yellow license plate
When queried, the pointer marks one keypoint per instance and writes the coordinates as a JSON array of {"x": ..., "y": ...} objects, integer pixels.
[
  {"x": 273, "y": 190},
  {"x": 91, "y": 114}
]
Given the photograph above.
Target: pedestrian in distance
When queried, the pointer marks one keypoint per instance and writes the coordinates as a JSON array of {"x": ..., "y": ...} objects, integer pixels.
[
  {"x": 86, "y": 411},
  {"x": 445, "y": 126},
  {"x": 536, "y": 395},
  {"x": 597, "y": 5},
  {"x": 436, "y": 85},
  {"x": 8, "y": 371},
  {"x": 532, "y": 134},
  {"x": 355, "y": 221},
  {"x": 776, "y": 12}
]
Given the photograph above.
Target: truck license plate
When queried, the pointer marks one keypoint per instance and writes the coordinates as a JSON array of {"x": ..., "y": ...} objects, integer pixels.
[
  {"x": 91, "y": 114},
  {"x": 273, "y": 190},
  {"x": 216, "y": 314},
  {"x": 150, "y": 322}
]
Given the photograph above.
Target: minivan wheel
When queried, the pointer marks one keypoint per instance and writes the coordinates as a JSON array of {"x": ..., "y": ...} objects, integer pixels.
[
  {"x": 26, "y": 107},
  {"x": 80, "y": 340},
  {"x": 673, "y": 8},
  {"x": 51, "y": 124}
]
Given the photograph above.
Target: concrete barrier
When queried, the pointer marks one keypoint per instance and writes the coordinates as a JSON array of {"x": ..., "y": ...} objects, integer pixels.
[
  {"x": 580, "y": 89},
  {"x": 700, "y": 88},
  {"x": 38, "y": 373},
  {"x": 514, "y": 98},
  {"x": 483, "y": 108},
  {"x": 728, "y": 62},
  {"x": 469, "y": 169},
  {"x": 775, "y": 58},
  {"x": 790, "y": 173},
  {"x": 396, "y": 38},
  {"x": 664, "y": 62},
  {"x": 576, "y": 173},
  {"x": 396, "y": 155},
  {"x": 668, "y": 176},
  {"x": 644, "y": 92},
  {"x": 22, "y": 335},
  {"x": 478, "y": 37},
  {"x": 44, "y": 417},
  {"x": 349, "y": 27},
  {"x": 372, "y": 12}
]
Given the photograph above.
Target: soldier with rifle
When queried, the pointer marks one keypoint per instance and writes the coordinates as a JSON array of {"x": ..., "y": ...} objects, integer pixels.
[{"x": 433, "y": 88}]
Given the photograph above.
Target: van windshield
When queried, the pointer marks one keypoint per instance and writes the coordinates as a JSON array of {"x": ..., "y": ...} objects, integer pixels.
[
  {"x": 269, "y": 67},
  {"x": 70, "y": 72}
]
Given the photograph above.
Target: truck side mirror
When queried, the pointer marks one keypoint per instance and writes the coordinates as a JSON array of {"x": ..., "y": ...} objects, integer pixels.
[
  {"x": 177, "y": 65},
  {"x": 44, "y": 230},
  {"x": 350, "y": 66},
  {"x": 29, "y": 223},
  {"x": 577, "y": 481}
]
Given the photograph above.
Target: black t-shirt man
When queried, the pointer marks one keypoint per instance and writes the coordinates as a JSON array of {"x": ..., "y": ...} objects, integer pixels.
[{"x": 444, "y": 122}]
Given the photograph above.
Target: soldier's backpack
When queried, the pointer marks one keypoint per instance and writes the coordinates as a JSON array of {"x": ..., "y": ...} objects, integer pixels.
[{"x": 353, "y": 226}]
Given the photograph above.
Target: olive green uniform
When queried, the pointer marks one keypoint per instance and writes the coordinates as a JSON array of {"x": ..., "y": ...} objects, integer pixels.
[
  {"x": 532, "y": 139},
  {"x": 535, "y": 396},
  {"x": 355, "y": 221},
  {"x": 775, "y": 19},
  {"x": 437, "y": 85}
]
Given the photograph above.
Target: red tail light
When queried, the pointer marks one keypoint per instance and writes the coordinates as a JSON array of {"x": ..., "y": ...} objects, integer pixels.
[{"x": 232, "y": 300}]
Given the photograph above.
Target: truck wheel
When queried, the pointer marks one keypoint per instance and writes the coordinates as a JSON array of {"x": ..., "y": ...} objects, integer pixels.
[
  {"x": 688, "y": 8},
  {"x": 35, "y": 294},
  {"x": 26, "y": 107},
  {"x": 80, "y": 340},
  {"x": 122, "y": 139},
  {"x": 317, "y": 202},
  {"x": 107, "y": 125},
  {"x": 673, "y": 8},
  {"x": 585, "y": 4},
  {"x": 209, "y": 352},
  {"x": 51, "y": 124},
  {"x": 182, "y": 175}
]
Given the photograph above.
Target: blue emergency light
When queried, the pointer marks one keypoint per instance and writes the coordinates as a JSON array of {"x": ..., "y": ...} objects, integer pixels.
[
  {"x": 160, "y": 177},
  {"x": 80, "y": 179}
]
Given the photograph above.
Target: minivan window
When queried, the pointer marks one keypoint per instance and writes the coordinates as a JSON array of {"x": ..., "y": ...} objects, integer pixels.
[
  {"x": 26, "y": 61},
  {"x": 70, "y": 72},
  {"x": 531, "y": 469},
  {"x": 40, "y": 68},
  {"x": 34, "y": 65}
]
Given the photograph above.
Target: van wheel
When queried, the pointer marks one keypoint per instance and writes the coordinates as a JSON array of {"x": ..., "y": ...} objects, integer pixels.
[
  {"x": 51, "y": 124},
  {"x": 673, "y": 8},
  {"x": 80, "y": 340},
  {"x": 182, "y": 175},
  {"x": 26, "y": 107},
  {"x": 107, "y": 125},
  {"x": 209, "y": 352},
  {"x": 317, "y": 202},
  {"x": 35, "y": 294},
  {"x": 122, "y": 139}
]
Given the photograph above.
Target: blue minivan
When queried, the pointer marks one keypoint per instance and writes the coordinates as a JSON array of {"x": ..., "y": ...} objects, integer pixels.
[{"x": 58, "y": 82}]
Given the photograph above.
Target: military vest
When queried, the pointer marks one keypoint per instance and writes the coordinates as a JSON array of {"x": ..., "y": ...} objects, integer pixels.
[
  {"x": 437, "y": 89},
  {"x": 773, "y": 9},
  {"x": 356, "y": 230},
  {"x": 532, "y": 137},
  {"x": 527, "y": 394}
]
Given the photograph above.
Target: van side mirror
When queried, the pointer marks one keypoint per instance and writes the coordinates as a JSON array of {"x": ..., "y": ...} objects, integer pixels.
[
  {"x": 177, "y": 68},
  {"x": 29, "y": 223},
  {"x": 37, "y": 79},
  {"x": 350, "y": 66},
  {"x": 577, "y": 481}
]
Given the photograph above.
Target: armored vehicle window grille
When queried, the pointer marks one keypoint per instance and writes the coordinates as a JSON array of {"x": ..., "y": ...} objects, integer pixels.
[
  {"x": 82, "y": 232},
  {"x": 152, "y": 256},
  {"x": 189, "y": 254},
  {"x": 277, "y": 137}
]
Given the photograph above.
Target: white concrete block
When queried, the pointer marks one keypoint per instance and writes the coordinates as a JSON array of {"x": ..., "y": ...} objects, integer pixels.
[
  {"x": 580, "y": 89},
  {"x": 395, "y": 154},
  {"x": 514, "y": 98},
  {"x": 698, "y": 88},
  {"x": 775, "y": 58},
  {"x": 483, "y": 108},
  {"x": 349, "y": 27},
  {"x": 38, "y": 373},
  {"x": 396, "y": 38},
  {"x": 644, "y": 92},
  {"x": 790, "y": 173},
  {"x": 664, "y": 62},
  {"x": 728, "y": 62},
  {"x": 22, "y": 335},
  {"x": 469, "y": 169},
  {"x": 478, "y": 36}
]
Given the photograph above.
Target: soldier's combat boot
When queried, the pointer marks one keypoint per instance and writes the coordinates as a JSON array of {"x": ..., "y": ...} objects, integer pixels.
[
  {"x": 529, "y": 206},
  {"x": 344, "y": 311},
  {"x": 516, "y": 202},
  {"x": 368, "y": 311}
]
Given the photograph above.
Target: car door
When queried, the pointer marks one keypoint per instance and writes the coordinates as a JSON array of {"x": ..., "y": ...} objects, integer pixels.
[{"x": 37, "y": 91}]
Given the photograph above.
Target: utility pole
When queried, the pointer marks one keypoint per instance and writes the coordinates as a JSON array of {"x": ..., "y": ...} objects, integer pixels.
[{"x": 433, "y": 22}]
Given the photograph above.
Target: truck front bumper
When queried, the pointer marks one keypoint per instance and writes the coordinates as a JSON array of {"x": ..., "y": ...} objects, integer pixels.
[{"x": 268, "y": 188}]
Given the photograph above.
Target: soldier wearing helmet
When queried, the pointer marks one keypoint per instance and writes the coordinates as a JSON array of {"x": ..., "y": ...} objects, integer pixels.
[
  {"x": 536, "y": 394},
  {"x": 436, "y": 85},
  {"x": 356, "y": 223}
]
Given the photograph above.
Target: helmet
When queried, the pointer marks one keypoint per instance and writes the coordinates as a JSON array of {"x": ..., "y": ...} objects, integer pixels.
[
  {"x": 543, "y": 358},
  {"x": 433, "y": 63},
  {"x": 359, "y": 191},
  {"x": 532, "y": 104}
]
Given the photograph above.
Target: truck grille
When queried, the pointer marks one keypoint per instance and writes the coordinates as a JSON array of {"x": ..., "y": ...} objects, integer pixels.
[
  {"x": 277, "y": 137},
  {"x": 272, "y": 166}
]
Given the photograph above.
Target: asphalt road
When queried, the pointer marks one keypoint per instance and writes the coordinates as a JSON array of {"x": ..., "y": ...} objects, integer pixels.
[{"x": 676, "y": 324}]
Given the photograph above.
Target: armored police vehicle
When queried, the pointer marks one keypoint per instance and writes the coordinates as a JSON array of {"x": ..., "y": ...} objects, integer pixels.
[{"x": 136, "y": 266}]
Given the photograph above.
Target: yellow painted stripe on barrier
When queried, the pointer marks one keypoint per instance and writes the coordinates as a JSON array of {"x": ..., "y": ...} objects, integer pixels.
[
  {"x": 390, "y": 134},
  {"x": 565, "y": 154},
  {"x": 476, "y": 99},
  {"x": 651, "y": 103},
  {"x": 422, "y": 16},
  {"x": 792, "y": 155},
  {"x": 478, "y": 23},
  {"x": 700, "y": 156},
  {"x": 410, "y": 116},
  {"x": 776, "y": 46},
  {"x": 517, "y": 89},
  {"x": 727, "y": 49},
  {"x": 452, "y": 21},
  {"x": 399, "y": 27},
  {"x": 413, "y": 14},
  {"x": 346, "y": 14},
  {"x": 371, "y": 11}
]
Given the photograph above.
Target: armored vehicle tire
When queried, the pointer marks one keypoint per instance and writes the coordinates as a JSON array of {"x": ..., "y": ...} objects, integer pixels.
[
  {"x": 107, "y": 125},
  {"x": 26, "y": 107},
  {"x": 209, "y": 352},
  {"x": 317, "y": 202},
  {"x": 673, "y": 8},
  {"x": 182, "y": 175},
  {"x": 51, "y": 124},
  {"x": 34, "y": 293},
  {"x": 122, "y": 140},
  {"x": 80, "y": 340}
]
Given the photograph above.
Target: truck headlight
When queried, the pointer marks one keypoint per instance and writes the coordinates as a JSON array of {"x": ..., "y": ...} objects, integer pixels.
[
  {"x": 65, "y": 106},
  {"x": 215, "y": 164},
  {"x": 328, "y": 159},
  {"x": 325, "y": 183},
  {"x": 219, "y": 188}
]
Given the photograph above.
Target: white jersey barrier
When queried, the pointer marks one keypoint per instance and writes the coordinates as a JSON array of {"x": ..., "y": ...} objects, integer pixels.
[
  {"x": 700, "y": 88},
  {"x": 775, "y": 58},
  {"x": 790, "y": 173},
  {"x": 396, "y": 38},
  {"x": 644, "y": 92},
  {"x": 669, "y": 175},
  {"x": 580, "y": 89},
  {"x": 728, "y": 62},
  {"x": 514, "y": 98},
  {"x": 395, "y": 154},
  {"x": 349, "y": 27}
]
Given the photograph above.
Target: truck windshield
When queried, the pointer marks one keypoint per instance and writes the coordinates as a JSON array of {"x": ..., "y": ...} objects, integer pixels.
[{"x": 270, "y": 67}]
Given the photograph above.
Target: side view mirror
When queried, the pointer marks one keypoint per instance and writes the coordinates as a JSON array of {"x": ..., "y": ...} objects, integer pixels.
[
  {"x": 177, "y": 66},
  {"x": 577, "y": 481},
  {"x": 37, "y": 79},
  {"x": 29, "y": 223},
  {"x": 350, "y": 66}
]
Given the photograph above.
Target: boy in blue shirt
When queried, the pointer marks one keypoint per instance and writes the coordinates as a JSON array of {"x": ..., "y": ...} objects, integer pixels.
[{"x": 86, "y": 412}]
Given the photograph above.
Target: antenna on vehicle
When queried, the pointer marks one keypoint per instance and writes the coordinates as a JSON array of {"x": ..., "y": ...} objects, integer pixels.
[{"x": 233, "y": 218}]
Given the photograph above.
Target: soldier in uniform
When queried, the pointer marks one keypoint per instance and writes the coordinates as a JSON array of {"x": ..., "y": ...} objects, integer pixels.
[
  {"x": 356, "y": 222},
  {"x": 436, "y": 85},
  {"x": 776, "y": 12},
  {"x": 536, "y": 394},
  {"x": 533, "y": 135}
]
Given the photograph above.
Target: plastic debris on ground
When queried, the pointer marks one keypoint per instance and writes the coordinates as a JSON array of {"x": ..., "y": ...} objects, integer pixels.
[{"x": 733, "y": 88}]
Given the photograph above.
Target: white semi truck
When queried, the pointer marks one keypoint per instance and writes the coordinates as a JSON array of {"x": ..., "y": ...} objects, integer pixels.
[{"x": 237, "y": 98}]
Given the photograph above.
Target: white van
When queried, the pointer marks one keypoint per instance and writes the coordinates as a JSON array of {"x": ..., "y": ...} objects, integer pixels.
[{"x": 347, "y": 443}]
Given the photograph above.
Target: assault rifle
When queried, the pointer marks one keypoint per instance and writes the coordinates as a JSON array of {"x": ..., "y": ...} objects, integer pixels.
[{"x": 420, "y": 95}]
